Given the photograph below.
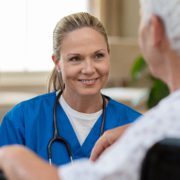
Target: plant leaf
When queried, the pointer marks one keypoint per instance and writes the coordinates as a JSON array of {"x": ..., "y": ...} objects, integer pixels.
[
  {"x": 138, "y": 67},
  {"x": 158, "y": 91}
]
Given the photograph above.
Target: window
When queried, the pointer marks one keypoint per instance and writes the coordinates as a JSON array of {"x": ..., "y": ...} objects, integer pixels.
[{"x": 26, "y": 32}]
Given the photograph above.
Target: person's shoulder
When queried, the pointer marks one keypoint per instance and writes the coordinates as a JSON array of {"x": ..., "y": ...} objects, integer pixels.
[
  {"x": 169, "y": 106},
  {"x": 122, "y": 111},
  {"x": 119, "y": 105},
  {"x": 164, "y": 115},
  {"x": 35, "y": 101},
  {"x": 172, "y": 99},
  {"x": 116, "y": 103},
  {"x": 40, "y": 98},
  {"x": 27, "y": 110}
]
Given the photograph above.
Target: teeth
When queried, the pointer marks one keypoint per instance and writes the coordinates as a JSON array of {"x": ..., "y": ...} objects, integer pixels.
[{"x": 88, "y": 81}]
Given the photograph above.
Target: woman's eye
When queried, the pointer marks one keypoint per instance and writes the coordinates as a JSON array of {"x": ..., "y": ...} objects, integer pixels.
[
  {"x": 99, "y": 55},
  {"x": 74, "y": 59}
]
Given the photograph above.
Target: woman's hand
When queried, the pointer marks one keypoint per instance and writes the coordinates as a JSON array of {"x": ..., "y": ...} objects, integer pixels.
[
  {"x": 106, "y": 140},
  {"x": 17, "y": 162}
]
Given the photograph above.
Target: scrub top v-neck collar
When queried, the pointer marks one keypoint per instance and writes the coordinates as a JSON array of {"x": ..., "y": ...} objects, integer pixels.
[{"x": 66, "y": 130}]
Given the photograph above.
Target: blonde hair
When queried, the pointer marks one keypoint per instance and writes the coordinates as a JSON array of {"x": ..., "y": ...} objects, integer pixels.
[{"x": 64, "y": 26}]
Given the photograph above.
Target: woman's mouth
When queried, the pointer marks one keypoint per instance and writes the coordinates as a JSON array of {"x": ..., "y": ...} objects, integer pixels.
[{"x": 88, "y": 81}]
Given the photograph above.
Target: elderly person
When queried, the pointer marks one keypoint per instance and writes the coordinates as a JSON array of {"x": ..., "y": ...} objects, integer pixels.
[{"x": 159, "y": 38}]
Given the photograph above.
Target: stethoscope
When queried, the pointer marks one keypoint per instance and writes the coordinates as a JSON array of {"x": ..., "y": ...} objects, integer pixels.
[{"x": 57, "y": 138}]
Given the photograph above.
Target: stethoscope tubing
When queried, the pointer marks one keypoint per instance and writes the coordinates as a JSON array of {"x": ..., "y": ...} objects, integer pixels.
[{"x": 57, "y": 138}]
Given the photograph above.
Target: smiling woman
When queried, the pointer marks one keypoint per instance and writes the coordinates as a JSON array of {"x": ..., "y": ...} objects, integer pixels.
[
  {"x": 25, "y": 26},
  {"x": 83, "y": 62},
  {"x": 75, "y": 114}
]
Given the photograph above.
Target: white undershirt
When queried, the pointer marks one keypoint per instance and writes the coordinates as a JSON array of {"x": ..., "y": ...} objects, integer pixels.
[{"x": 82, "y": 123}]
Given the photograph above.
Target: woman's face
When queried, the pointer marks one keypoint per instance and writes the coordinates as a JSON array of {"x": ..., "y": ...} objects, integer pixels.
[{"x": 84, "y": 62}]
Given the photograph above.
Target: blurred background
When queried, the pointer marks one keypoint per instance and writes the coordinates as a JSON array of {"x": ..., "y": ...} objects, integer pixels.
[{"x": 26, "y": 47}]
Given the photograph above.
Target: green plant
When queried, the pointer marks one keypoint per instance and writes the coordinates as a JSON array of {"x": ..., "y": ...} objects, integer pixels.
[{"x": 157, "y": 89}]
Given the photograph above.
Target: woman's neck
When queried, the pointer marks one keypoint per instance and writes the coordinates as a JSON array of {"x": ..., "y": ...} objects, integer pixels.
[{"x": 84, "y": 104}]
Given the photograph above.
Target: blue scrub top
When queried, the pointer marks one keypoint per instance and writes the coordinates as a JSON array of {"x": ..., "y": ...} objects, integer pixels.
[{"x": 30, "y": 123}]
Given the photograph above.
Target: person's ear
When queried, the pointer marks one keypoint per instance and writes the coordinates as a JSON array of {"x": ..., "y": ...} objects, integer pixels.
[
  {"x": 157, "y": 30},
  {"x": 56, "y": 62}
]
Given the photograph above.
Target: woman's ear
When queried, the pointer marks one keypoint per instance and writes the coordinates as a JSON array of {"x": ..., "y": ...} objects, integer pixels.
[{"x": 56, "y": 62}]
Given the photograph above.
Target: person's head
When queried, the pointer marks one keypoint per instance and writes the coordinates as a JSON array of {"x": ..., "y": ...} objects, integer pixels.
[
  {"x": 159, "y": 32},
  {"x": 80, "y": 54}
]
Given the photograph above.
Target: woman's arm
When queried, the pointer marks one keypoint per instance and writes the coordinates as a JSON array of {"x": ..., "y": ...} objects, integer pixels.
[{"x": 106, "y": 140}]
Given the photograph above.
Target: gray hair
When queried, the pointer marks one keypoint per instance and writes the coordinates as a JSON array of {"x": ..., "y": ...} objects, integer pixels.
[{"x": 169, "y": 12}]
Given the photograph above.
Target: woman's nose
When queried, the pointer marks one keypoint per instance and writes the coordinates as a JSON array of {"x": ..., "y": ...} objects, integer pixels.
[{"x": 88, "y": 67}]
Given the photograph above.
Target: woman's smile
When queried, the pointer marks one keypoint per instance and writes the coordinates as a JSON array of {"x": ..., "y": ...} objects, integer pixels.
[{"x": 88, "y": 81}]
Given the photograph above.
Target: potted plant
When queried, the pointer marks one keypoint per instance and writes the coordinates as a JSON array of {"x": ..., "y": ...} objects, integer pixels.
[{"x": 157, "y": 88}]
